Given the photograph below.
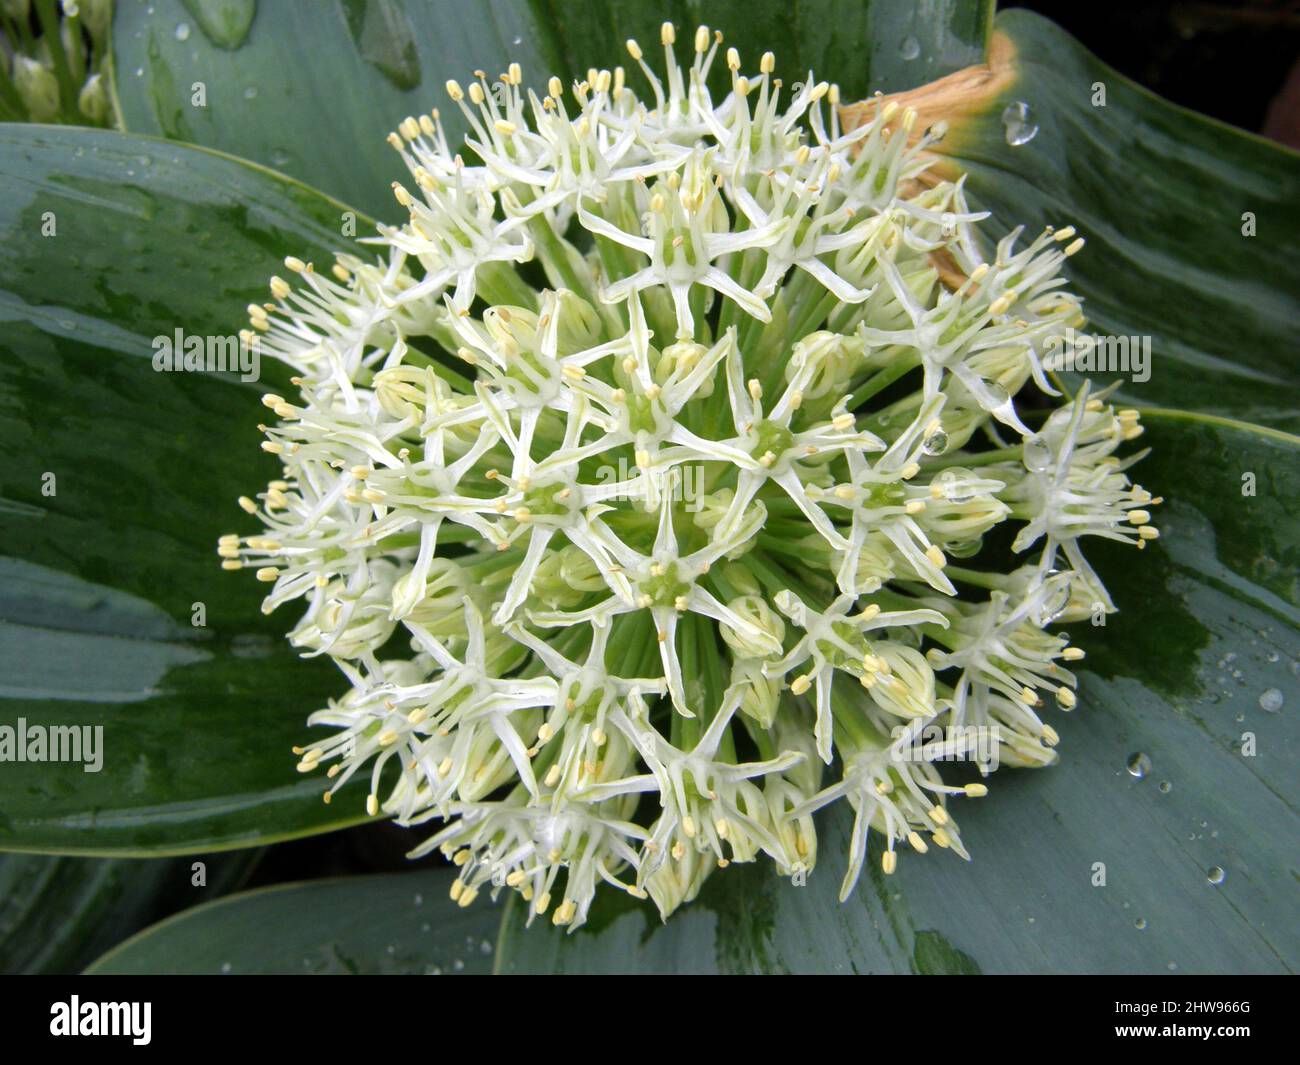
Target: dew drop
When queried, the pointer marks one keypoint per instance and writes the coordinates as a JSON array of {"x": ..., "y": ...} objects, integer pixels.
[
  {"x": 955, "y": 485},
  {"x": 183, "y": 31},
  {"x": 226, "y": 967},
  {"x": 1271, "y": 700},
  {"x": 1140, "y": 924},
  {"x": 279, "y": 157},
  {"x": 910, "y": 48},
  {"x": 1139, "y": 765},
  {"x": 997, "y": 393},
  {"x": 1057, "y": 587},
  {"x": 1165, "y": 787},
  {"x": 1216, "y": 875},
  {"x": 1273, "y": 656},
  {"x": 936, "y": 443},
  {"x": 1037, "y": 454},
  {"x": 250, "y": 93},
  {"x": 962, "y": 548},
  {"x": 1018, "y": 122}
]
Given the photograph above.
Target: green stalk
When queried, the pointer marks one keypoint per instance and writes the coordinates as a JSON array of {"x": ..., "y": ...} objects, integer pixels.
[{"x": 68, "y": 85}]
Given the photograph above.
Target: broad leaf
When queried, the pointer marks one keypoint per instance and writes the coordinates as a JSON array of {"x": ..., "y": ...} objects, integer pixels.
[
  {"x": 372, "y": 62},
  {"x": 1207, "y": 636},
  {"x": 58, "y": 914},
  {"x": 400, "y": 923},
  {"x": 115, "y": 482},
  {"x": 313, "y": 89}
]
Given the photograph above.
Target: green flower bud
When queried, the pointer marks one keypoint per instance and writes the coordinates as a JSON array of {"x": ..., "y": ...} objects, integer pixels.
[
  {"x": 37, "y": 88},
  {"x": 96, "y": 16},
  {"x": 750, "y": 644},
  {"x": 93, "y": 100}
]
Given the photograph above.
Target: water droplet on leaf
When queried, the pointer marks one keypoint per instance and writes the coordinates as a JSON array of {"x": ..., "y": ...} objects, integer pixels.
[
  {"x": 1018, "y": 122},
  {"x": 1271, "y": 701}
]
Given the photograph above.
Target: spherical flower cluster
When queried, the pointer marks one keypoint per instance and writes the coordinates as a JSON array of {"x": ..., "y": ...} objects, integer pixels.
[{"x": 623, "y": 488}]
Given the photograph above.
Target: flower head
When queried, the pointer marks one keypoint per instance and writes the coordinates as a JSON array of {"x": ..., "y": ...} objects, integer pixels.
[{"x": 623, "y": 486}]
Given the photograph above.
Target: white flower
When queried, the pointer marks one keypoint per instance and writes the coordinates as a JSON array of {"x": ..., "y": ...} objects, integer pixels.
[
  {"x": 898, "y": 797},
  {"x": 1075, "y": 487},
  {"x": 592, "y": 540}
]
